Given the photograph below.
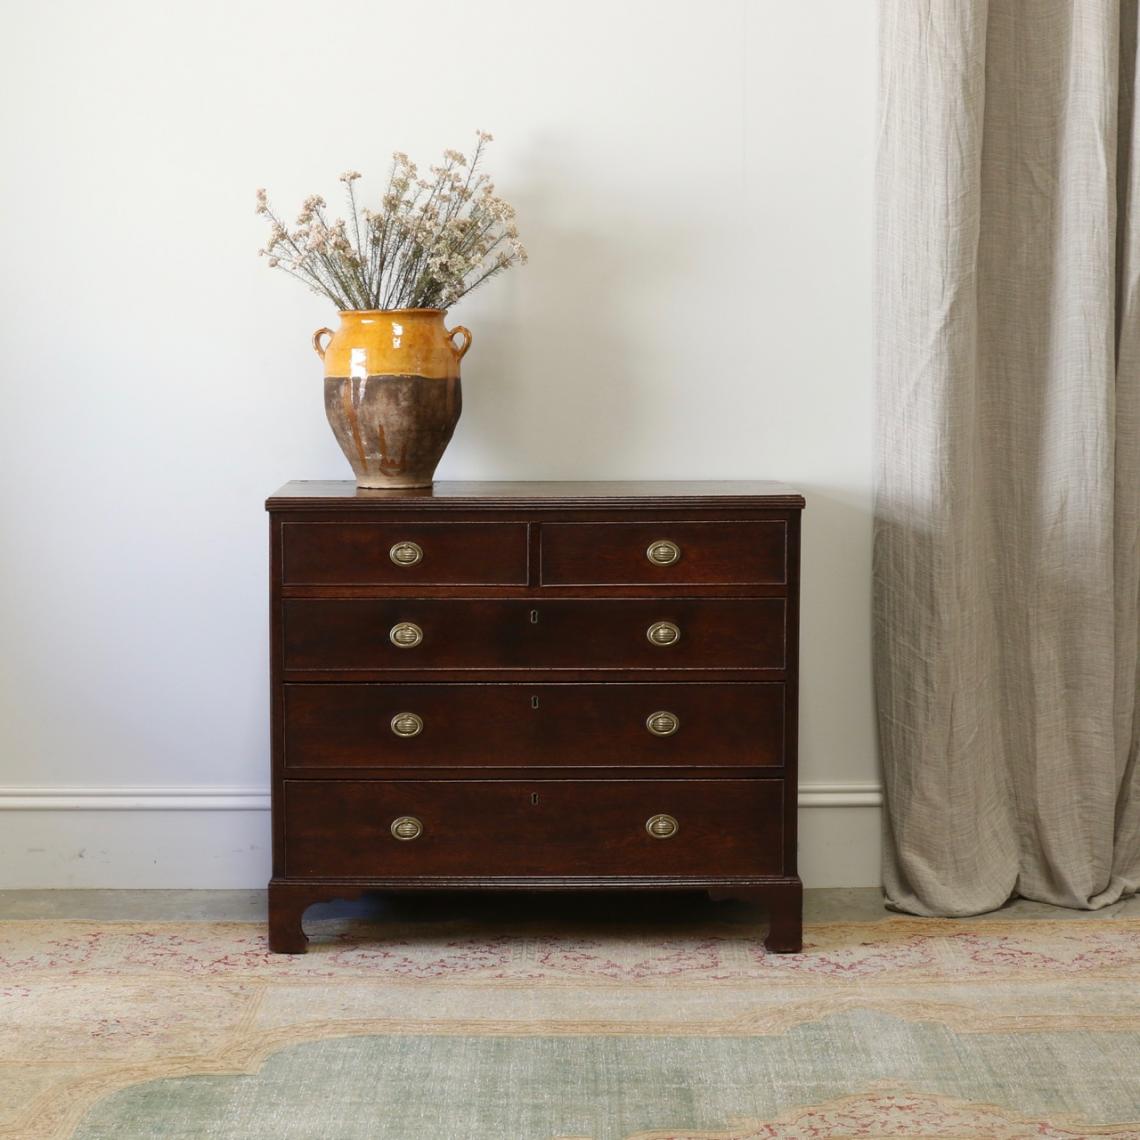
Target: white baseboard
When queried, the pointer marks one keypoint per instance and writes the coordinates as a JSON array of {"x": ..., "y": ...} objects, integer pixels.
[
  {"x": 840, "y": 795},
  {"x": 218, "y": 837},
  {"x": 196, "y": 798},
  {"x": 229, "y": 798}
]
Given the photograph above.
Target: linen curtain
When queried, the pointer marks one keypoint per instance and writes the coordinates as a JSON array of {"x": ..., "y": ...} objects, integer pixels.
[{"x": 1007, "y": 511}]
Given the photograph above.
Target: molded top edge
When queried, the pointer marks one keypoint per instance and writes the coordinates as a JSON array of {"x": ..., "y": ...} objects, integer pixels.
[{"x": 345, "y": 495}]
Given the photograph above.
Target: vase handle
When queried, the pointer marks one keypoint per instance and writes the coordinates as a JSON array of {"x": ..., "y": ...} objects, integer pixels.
[
  {"x": 466, "y": 340},
  {"x": 319, "y": 348}
]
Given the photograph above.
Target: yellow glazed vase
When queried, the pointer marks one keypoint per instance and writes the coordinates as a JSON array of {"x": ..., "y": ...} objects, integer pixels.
[{"x": 392, "y": 392}]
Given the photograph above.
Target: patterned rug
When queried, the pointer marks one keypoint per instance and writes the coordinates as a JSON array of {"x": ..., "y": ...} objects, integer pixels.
[{"x": 987, "y": 1030}]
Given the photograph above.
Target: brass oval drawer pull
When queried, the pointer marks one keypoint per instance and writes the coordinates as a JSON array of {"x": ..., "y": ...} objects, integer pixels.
[
  {"x": 407, "y": 827},
  {"x": 406, "y": 635},
  {"x": 663, "y": 633},
  {"x": 663, "y": 723},
  {"x": 406, "y": 553},
  {"x": 663, "y": 552},
  {"x": 407, "y": 724},
  {"x": 662, "y": 826}
]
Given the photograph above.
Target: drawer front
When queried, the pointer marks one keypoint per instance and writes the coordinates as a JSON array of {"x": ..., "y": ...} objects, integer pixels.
[
  {"x": 472, "y": 633},
  {"x": 663, "y": 554},
  {"x": 403, "y": 554},
  {"x": 338, "y": 829},
  {"x": 554, "y": 726}
]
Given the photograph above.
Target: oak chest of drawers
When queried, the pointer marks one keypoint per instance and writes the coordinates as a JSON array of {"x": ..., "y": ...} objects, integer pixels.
[{"x": 540, "y": 686}]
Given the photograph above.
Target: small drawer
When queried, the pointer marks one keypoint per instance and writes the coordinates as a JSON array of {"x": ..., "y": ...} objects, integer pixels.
[
  {"x": 478, "y": 633},
  {"x": 403, "y": 554},
  {"x": 669, "y": 828},
  {"x": 620, "y": 725},
  {"x": 748, "y": 552}
]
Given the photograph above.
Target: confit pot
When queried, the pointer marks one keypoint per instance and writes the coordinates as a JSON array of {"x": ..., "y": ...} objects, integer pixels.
[{"x": 392, "y": 393}]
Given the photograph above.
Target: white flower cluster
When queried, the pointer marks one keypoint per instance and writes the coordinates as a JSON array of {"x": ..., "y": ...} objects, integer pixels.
[{"x": 430, "y": 243}]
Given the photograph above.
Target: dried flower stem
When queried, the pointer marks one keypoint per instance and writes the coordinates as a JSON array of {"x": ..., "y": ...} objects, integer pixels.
[{"x": 429, "y": 244}]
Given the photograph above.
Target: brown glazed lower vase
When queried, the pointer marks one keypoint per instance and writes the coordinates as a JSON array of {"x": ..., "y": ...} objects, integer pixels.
[{"x": 393, "y": 429}]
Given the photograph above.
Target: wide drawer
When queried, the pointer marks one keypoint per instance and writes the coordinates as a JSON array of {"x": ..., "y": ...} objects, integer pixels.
[
  {"x": 350, "y": 829},
  {"x": 732, "y": 724},
  {"x": 403, "y": 554},
  {"x": 665, "y": 553},
  {"x": 479, "y": 633}
]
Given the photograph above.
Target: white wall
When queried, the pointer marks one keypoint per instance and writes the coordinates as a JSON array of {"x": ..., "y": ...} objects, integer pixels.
[{"x": 693, "y": 182}]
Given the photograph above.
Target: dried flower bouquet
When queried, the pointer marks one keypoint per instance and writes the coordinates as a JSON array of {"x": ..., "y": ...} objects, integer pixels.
[{"x": 431, "y": 242}]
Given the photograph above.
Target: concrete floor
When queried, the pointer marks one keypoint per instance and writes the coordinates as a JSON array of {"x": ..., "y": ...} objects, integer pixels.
[{"x": 824, "y": 905}]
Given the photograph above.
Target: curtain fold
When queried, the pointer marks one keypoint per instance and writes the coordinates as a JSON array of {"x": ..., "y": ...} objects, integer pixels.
[{"x": 1007, "y": 513}]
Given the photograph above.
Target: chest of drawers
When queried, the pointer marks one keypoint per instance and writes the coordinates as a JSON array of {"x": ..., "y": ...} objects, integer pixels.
[{"x": 539, "y": 686}]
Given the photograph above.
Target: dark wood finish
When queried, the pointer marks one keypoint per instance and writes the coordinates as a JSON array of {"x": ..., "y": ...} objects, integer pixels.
[
  {"x": 748, "y": 552},
  {"x": 358, "y": 553},
  {"x": 792, "y": 897},
  {"x": 488, "y": 635},
  {"x": 780, "y": 896},
  {"x": 605, "y": 495},
  {"x": 288, "y": 902},
  {"x": 548, "y": 593},
  {"x": 784, "y": 901},
  {"x": 342, "y": 828},
  {"x": 539, "y": 725},
  {"x": 534, "y": 593}
]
